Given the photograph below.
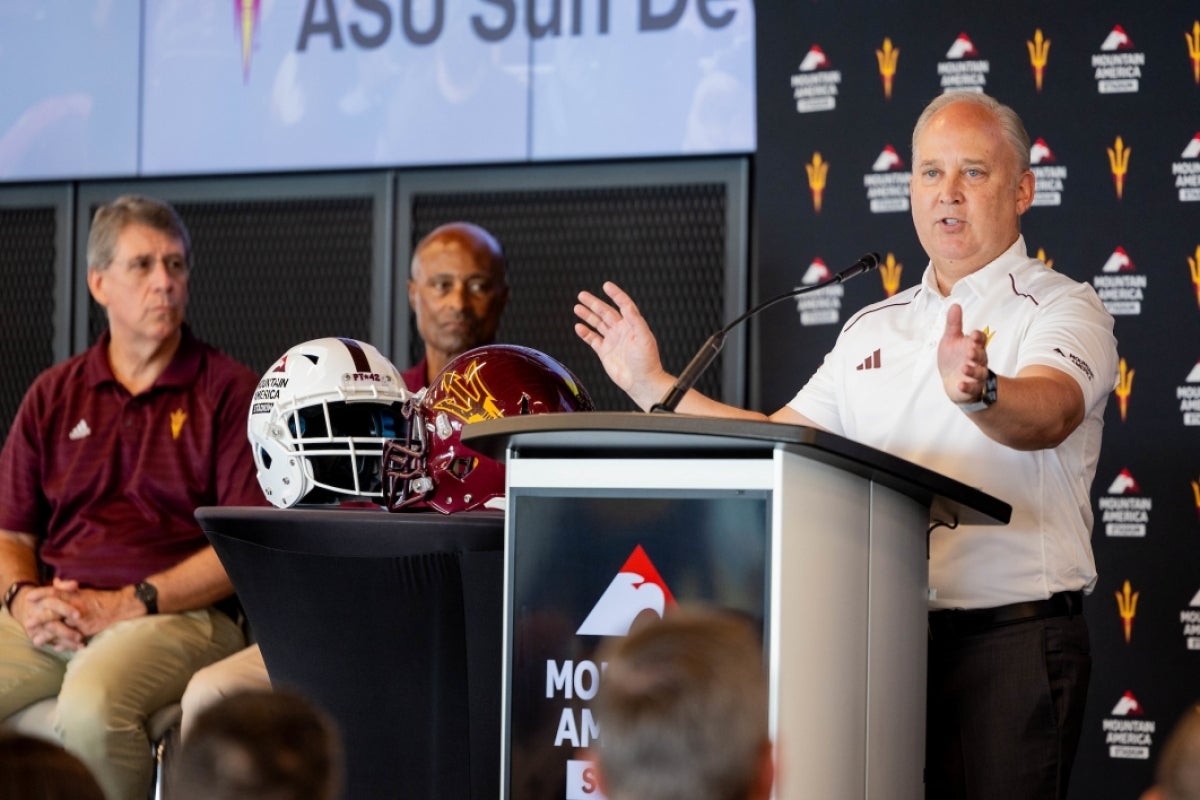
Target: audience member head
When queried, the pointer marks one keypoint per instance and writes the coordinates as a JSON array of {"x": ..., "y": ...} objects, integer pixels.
[
  {"x": 258, "y": 745},
  {"x": 35, "y": 769},
  {"x": 457, "y": 289},
  {"x": 682, "y": 711},
  {"x": 129, "y": 209},
  {"x": 1177, "y": 776}
]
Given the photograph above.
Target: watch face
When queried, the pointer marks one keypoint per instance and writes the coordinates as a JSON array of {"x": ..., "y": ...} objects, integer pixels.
[{"x": 148, "y": 594}]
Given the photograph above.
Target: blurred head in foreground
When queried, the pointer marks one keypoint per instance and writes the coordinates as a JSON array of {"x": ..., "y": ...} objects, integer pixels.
[
  {"x": 259, "y": 745},
  {"x": 682, "y": 711},
  {"x": 35, "y": 769},
  {"x": 1177, "y": 776}
]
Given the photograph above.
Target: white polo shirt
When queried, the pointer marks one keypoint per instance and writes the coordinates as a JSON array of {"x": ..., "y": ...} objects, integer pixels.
[{"x": 880, "y": 386}]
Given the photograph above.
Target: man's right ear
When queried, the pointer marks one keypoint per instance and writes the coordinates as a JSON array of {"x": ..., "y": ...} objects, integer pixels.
[{"x": 95, "y": 282}]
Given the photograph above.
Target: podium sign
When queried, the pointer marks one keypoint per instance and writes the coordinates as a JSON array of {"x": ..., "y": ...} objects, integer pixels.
[
  {"x": 586, "y": 564},
  {"x": 819, "y": 541}
]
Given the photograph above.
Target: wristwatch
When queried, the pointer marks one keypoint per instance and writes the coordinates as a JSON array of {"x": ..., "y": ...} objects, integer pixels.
[
  {"x": 11, "y": 593},
  {"x": 986, "y": 399},
  {"x": 148, "y": 594}
]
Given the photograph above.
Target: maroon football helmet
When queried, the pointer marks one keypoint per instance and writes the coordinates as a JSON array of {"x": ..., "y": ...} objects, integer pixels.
[{"x": 432, "y": 466}]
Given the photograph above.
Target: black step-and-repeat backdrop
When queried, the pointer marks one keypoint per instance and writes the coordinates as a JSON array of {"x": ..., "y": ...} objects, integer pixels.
[{"x": 1110, "y": 94}]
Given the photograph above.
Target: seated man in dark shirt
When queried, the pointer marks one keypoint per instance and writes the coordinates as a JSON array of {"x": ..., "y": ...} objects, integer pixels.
[{"x": 109, "y": 581}]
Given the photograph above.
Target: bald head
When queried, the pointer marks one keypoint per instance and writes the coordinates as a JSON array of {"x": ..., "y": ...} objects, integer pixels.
[{"x": 457, "y": 289}]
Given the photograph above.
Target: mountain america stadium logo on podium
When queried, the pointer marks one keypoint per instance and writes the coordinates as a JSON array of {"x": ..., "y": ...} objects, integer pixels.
[{"x": 635, "y": 590}]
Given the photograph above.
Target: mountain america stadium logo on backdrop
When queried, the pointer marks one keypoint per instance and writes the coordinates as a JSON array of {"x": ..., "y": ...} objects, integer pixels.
[
  {"x": 1117, "y": 68},
  {"x": 1189, "y": 618},
  {"x": 887, "y": 183},
  {"x": 1050, "y": 176},
  {"x": 1120, "y": 287},
  {"x": 1186, "y": 171},
  {"x": 824, "y": 306},
  {"x": 814, "y": 84},
  {"x": 1188, "y": 395},
  {"x": 635, "y": 589},
  {"x": 1124, "y": 512},
  {"x": 1127, "y": 732},
  {"x": 963, "y": 69}
]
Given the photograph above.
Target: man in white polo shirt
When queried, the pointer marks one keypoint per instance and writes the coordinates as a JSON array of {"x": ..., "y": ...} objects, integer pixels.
[{"x": 994, "y": 370}]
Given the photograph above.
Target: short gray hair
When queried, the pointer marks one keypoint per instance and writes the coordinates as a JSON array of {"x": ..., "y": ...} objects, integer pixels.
[
  {"x": 682, "y": 709},
  {"x": 131, "y": 209},
  {"x": 1008, "y": 120}
]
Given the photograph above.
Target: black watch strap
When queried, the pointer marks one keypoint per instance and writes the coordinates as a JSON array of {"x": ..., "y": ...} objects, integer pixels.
[
  {"x": 148, "y": 594},
  {"x": 11, "y": 593},
  {"x": 986, "y": 399}
]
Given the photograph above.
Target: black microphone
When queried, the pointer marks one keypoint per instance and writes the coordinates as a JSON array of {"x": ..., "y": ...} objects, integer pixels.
[{"x": 708, "y": 351}]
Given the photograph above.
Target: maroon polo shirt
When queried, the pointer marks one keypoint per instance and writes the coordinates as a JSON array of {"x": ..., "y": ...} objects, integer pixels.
[
  {"x": 108, "y": 482},
  {"x": 414, "y": 376}
]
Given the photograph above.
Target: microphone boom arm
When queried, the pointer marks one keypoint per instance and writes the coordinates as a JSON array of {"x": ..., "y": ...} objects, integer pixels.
[{"x": 712, "y": 346}]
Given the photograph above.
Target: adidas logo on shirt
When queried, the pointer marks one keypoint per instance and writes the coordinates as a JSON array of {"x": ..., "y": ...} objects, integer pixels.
[
  {"x": 870, "y": 362},
  {"x": 80, "y": 431}
]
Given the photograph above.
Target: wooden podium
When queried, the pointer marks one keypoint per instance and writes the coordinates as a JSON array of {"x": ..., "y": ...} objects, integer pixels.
[{"x": 820, "y": 540}]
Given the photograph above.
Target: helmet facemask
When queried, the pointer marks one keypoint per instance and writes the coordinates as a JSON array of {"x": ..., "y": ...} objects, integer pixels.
[
  {"x": 432, "y": 466},
  {"x": 405, "y": 478}
]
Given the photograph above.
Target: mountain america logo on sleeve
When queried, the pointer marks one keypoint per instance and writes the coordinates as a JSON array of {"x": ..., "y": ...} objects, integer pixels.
[{"x": 1078, "y": 362}]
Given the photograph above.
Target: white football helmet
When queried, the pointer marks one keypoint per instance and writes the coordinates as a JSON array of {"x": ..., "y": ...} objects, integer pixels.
[{"x": 319, "y": 418}]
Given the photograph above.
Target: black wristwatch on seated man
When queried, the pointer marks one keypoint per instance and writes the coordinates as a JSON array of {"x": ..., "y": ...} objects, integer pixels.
[
  {"x": 148, "y": 593},
  {"x": 11, "y": 593}
]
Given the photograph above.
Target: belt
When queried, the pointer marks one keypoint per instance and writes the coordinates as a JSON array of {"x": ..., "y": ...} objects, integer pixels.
[{"x": 966, "y": 622}]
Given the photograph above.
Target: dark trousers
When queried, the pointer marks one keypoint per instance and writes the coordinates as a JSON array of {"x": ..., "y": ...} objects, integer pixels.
[{"x": 1005, "y": 709}]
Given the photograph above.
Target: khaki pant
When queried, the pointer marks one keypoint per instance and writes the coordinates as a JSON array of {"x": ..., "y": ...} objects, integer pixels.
[
  {"x": 243, "y": 671},
  {"x": 107, "y": 690}
]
